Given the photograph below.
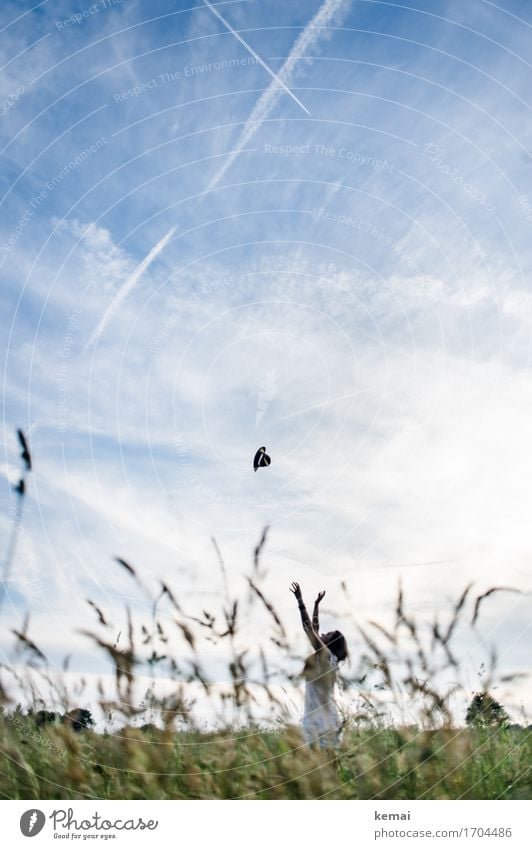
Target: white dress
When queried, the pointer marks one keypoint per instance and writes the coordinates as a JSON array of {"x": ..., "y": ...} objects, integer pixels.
[{"x": 321, "y": 721}]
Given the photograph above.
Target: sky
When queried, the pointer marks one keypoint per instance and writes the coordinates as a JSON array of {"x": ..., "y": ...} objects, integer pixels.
[{"x": 303, "y": 226}]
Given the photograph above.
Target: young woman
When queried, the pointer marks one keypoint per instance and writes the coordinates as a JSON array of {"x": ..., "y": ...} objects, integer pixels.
[{"x": 322, "y": 723}]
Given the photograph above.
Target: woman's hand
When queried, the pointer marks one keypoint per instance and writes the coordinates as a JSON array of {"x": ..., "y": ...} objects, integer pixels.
[
  {"x": 296, "y": 589},
  {"x": 319, "y": 597}
]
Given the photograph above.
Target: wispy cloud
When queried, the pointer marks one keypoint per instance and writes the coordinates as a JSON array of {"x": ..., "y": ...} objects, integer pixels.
[
  {"x": 128, "y": 285},
  {"x": 305, "y": 41}
]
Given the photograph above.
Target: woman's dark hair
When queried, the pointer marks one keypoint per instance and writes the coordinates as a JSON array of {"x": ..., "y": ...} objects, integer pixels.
[{"x": 336, "y": 643}]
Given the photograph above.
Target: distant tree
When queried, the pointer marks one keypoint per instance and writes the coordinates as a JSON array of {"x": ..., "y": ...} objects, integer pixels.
[
  {"x": 149, "y": 728},
  {"x": 45, "y": 717},
  {"x": 486, "y": 712},
  {"x": 79, "y": 719}
]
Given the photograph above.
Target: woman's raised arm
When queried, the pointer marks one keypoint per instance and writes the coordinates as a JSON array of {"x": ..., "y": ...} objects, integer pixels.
[
  {"x": 316, "y": 612},
  {"x": 311, "y": 633}
]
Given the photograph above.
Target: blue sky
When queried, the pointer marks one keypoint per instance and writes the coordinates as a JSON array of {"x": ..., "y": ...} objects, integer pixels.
[{"x": 195, "y": 263}]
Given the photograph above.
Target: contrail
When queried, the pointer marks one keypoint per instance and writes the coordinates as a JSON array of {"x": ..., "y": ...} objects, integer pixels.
[
  {"x": 266, "y": 67},
  {"x": 126, "y": 287},
  {"x": 266, "y": 102}
]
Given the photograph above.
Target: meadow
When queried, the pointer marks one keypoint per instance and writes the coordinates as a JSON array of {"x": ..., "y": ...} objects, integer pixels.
[
  {"x": 373, "y": 763},
  {"x": 160, "y": 748}
]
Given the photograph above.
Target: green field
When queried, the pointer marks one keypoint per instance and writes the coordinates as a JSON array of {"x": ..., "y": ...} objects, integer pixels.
[{"x": 374, "y": 763}]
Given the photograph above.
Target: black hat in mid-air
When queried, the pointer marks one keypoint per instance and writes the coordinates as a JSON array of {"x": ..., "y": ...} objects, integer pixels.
[{"x": 261, "y": 459}]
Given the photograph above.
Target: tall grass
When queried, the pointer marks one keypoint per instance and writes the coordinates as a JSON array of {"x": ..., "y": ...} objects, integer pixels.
[{"x": 375, "y": 762}]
